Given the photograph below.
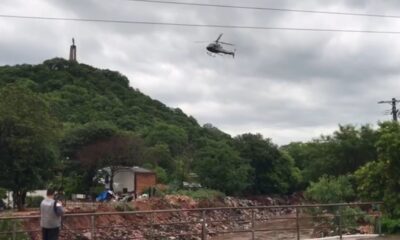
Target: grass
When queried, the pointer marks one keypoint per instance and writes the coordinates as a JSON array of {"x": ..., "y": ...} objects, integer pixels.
[
  {"x": 7, "y": 226},
  {"x": 201, "y": 194}
]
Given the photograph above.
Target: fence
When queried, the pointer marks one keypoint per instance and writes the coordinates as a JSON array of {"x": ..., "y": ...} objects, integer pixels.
[
  {"x": 302, "y": 221},
  {"x": 90, "y": 205}
]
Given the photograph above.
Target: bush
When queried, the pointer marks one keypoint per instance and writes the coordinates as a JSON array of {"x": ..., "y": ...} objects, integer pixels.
[
  {"x": 33, "y": 201},
  {"x": 350, "y": 218},
  {"x": 370, "y": 178},
  {"x": 390, "y": 225},
  {"x": 202, "y": 194},
  {"x": 7, "y": 225},
  {"x": 3, "y": 193},
  {"x": 153, "y": 192},
  {"x": 161, "y": 173},
  {"x": 2, "y": 196},
  {"x": 353, "y": 216},
  {"x": 123, "y": 207},
  {"x": 96, "y": 190},
  {"x": 331, "y": 190}
]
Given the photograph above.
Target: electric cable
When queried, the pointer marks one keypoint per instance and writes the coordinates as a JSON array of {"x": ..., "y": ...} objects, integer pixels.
[
  {"x": 197, "y": 25},
  {"x": 267, "y": 8}
]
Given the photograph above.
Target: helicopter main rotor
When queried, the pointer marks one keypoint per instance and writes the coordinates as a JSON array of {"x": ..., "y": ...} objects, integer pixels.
[{"x": 219, "y": 37}]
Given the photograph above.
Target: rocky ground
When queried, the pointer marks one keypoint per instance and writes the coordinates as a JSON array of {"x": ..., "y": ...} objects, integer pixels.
[{"x": 184, "y": 223}]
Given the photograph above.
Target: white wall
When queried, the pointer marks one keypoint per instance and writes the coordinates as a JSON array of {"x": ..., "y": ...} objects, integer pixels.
[
  {"x": 124, "y": 179},
  {"x": 9, "y": 199}
]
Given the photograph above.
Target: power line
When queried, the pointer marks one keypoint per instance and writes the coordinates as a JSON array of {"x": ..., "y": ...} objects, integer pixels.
[
  {"x": 267, "y": 8},
  {"x": 197, "y": 25}
]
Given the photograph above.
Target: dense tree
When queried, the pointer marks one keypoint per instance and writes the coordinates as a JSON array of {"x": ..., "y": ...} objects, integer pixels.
[
  {"x": 341, "y": 153},
  {"x": 274, "y": 171},
  {"x": 95, "y": 106},
  {"x": 28, "y": 135},
  {"x": 212, "y": 132},
  {"x": 76, "y": 137},
  {"x": 354, "y": 147},
  {"x": 388, "y": 147},
  {"x": 119, "y": 150},
  {"x": 175, "y": 137},
  {"x": 371, "y": 179},
  {"x": 318, "y": 159},
  {"x": 299, "y": 151},
  {"x": 183, "y": 167},
  {"x": 220, "y": 167},
  {"x": 159, "y": 155},
  {"x": 162, "y": 175},
  {"x": 79, "y": 93}
]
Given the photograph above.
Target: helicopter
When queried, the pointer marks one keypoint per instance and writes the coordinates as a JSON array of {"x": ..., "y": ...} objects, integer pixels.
[{"x": 217, "y": 48}]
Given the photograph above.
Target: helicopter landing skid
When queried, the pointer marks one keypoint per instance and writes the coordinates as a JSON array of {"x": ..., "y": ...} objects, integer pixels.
[{"x": 211, "y": 54}]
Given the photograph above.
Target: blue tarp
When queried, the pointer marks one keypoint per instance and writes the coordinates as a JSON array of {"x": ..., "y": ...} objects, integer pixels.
[{"x": 103, "y": 196}]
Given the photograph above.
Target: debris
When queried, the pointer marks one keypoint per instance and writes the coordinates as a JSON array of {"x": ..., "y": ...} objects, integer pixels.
[{"x": 144, "y": 226}]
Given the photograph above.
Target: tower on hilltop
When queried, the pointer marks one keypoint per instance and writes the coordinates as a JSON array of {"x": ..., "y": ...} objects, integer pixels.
[{"x": 72, "y": 52}]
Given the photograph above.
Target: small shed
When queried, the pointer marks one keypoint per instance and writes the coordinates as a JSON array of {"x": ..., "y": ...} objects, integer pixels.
[{"x": 133, "y": 180}]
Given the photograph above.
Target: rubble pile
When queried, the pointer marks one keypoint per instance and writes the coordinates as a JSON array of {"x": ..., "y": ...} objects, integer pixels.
[
  {"x": 182, "y": 217},
  {"x": 191, "y": 222},
  {"x": 187, "y": 223},
  {"x": 179, "y": 201}
]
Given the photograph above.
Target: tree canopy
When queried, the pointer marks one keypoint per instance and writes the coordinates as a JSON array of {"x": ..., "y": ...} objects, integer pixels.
[
  {"x": 28, "y": 138},
  {"x": 68, "y": 119},
  {"x": 220, "y": 167}
]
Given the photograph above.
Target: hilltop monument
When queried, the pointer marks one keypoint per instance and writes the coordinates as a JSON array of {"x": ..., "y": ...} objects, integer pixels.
[{"x": 72, "y": 52}]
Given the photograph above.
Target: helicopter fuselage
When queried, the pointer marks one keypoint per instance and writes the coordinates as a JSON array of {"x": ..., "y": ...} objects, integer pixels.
[{"x": 217, "y": 48}]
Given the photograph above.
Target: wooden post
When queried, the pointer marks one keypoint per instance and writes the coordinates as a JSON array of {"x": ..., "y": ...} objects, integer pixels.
[
  {"x": 232, "y": 218},
  {"x": 204, "y": 225},
  {"x": 93, "y": 227},
  {"x": 253, "y": 225},
  {"x": 152, "y": 221},
  {"x": 14, "y": 231},
  {"x": 340, "y": 222},
  {"x": 379, "y": 220},
  {"x": 297, "y": 223}
]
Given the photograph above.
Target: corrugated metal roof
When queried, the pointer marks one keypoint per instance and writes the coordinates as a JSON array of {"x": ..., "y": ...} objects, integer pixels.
[
  {"x": 141, "y": 170},
  {"x": 133, "y": 169}
]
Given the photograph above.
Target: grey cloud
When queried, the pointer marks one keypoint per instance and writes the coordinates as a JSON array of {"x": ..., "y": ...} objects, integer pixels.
[{"x": 281, "y": 84}]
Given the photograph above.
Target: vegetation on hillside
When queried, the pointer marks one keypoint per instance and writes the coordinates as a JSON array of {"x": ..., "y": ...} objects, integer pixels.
[
  {"x": 86, "y": 119},
  {"x": 60, "y": 122}
]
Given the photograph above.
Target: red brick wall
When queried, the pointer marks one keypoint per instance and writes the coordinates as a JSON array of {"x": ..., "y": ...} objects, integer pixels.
[{"x": 144, "y": 181}]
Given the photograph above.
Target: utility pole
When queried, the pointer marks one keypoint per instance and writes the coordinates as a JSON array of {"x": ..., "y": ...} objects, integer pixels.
[{"x": 395, "y": 111}]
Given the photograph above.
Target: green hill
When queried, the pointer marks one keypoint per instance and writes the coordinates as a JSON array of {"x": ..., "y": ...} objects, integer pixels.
[
  {"x": 102, "y": 118},
  {"x": 79, "y": 93}
]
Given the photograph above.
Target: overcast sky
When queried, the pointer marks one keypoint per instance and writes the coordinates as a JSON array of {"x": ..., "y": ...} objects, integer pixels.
[{"x": 287, "y": 85}]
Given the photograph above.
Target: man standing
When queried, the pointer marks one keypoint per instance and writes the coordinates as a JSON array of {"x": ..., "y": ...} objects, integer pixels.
[{"x": 51, "y": 211}]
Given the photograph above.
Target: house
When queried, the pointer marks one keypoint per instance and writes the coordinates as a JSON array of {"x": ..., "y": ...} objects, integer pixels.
[{"x": 131, "y": 179}]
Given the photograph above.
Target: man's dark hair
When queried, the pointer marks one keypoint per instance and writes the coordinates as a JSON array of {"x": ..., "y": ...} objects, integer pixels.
[{"x": 50, "y": 192}]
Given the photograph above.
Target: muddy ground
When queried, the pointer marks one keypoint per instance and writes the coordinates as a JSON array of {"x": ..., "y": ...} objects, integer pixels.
[{"x": 306, "y": 232}]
